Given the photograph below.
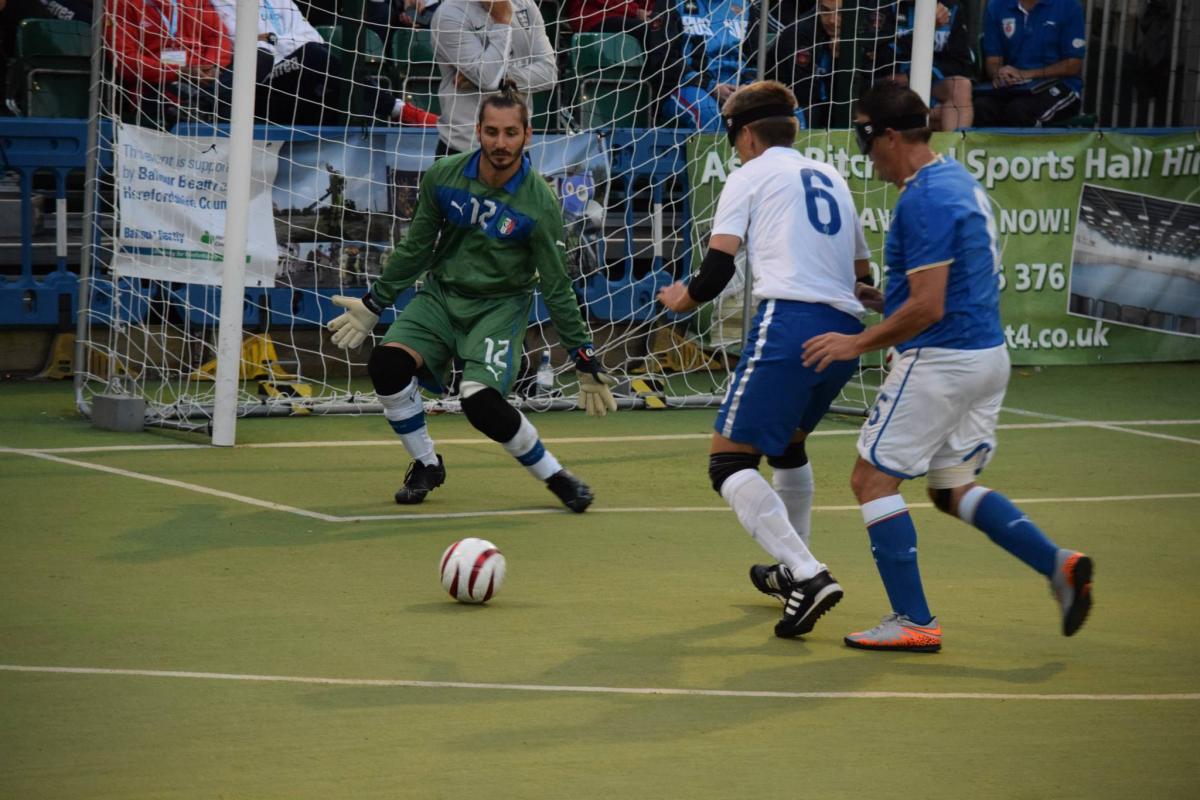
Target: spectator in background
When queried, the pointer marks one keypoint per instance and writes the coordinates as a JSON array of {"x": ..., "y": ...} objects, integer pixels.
[
  {"x": 804, "y": 57},
  {"x": 478, "y": 44},
  {"x": 300, "y": 80},
  {"x": 953, "y": 59},
  {"x": 168, "y": 54},
  {"x": 784, "y": 14},
  {"x": 716, "y": 60},
  {"x": 1033, "y": 57},
  {"x": 655, "y": 26}
]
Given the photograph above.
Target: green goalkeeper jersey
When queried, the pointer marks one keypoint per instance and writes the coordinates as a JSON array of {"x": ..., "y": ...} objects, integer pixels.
[{"x": 479, "y": 241}]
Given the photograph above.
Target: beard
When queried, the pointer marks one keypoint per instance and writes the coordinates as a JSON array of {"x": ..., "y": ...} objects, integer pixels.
[{"x": 501, "y": 159}]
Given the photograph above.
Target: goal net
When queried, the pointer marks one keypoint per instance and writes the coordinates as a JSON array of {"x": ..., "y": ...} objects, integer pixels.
[{"x": 353, "y": 103}]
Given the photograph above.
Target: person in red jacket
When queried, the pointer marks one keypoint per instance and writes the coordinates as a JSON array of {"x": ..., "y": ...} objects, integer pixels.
[{"x": 168, "y": 53}]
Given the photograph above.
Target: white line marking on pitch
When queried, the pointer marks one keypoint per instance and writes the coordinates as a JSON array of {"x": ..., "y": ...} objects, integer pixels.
[
  {"x": 515, "y": 512},
  {"x": 1117, "y": 425},
  {"x": 191, "y": 487},
  {"x": 635, "y": 690},
  {"x": 1061, "y": 422}
]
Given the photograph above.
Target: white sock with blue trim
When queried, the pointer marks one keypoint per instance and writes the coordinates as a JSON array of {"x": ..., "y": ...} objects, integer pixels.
[
  {"x": 405, "y": 412},
  {"x": 527, "y": 448}
]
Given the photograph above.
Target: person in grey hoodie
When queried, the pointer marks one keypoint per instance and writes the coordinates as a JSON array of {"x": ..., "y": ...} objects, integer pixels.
[{"x": 478, "y": 43}]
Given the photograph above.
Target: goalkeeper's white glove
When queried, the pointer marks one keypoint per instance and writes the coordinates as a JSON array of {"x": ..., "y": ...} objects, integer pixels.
[
  {"x": 594, "y": 395},
  {"x": 353, "y": 327}
]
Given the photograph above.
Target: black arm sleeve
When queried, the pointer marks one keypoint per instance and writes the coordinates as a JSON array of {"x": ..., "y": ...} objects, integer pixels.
[{"x": 715, "y": 272}]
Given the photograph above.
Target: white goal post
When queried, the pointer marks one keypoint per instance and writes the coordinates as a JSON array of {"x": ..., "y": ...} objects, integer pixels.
[{"x": 220, "y": 221}]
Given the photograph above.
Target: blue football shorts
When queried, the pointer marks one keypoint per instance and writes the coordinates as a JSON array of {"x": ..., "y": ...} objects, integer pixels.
[{"x": 772, "y": 394}]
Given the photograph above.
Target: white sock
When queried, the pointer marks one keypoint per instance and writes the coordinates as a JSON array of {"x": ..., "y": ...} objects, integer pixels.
[
  {"x": 405, "y": 411},
  {"x": 527, "y": 448},
  {"x": 795, "y": 488},
  {"x": 970, "y": 502},
  {"x": 763, "y": 514},
  {"x": 397, "y": 109}
]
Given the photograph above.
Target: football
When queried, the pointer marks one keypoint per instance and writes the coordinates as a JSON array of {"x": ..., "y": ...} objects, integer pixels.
[{"x": 472, "y": 570}]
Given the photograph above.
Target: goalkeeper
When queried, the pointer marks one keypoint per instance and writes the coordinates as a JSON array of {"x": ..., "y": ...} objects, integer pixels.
[{"x": 486, "y": 229}]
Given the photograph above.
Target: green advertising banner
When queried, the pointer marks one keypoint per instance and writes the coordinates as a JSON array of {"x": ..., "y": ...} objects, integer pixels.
[{"x": 1099, "y": 233}]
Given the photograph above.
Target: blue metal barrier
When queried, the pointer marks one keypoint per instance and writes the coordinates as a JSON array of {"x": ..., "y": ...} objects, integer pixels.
[
  {"x": 29, "y": 145},
  {"x": 658, "y": 155}
]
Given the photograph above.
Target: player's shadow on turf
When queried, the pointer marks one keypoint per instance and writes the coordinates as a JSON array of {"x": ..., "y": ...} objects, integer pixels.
[
  {"x": 448, "y": 608},
  {"x": 661, "y": 660},
  {"x": 672, "y": 661},
  {"x": 1021, "y": 675},
  {"x": 197, "y": 528}
]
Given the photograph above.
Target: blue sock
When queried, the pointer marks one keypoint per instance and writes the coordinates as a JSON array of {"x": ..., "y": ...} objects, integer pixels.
[
  {"x": 894, "y": 546},
  {"x": 1007, "y": 526}
]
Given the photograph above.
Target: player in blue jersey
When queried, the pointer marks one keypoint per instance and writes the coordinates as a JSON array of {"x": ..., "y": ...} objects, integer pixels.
[
  {"x": 805, "y": 248},
  {"x": 936, "y": 412}
]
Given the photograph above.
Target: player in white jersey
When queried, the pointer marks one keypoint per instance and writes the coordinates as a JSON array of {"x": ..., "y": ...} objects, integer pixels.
[
  {"x": 936, "y": 412},
  {"x": 805, "y": 248}
]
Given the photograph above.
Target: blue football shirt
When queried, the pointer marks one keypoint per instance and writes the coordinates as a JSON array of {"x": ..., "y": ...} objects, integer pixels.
[{"x": 944, "y": 217}]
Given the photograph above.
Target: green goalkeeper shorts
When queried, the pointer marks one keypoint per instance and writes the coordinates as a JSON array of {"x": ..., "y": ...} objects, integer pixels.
[{"x": 487, "y": 333}]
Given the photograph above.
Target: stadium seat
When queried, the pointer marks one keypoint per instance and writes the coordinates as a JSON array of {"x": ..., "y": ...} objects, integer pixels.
[
  {"x": 546, "y": 112},
  {"x": 362, "y": 62},
  {"x": 412, "y": 50},
  {"x": 606, "y": 89},
  {"x": 52, "y": 68},
  {"x": 369, "y": 66},
  {"x": 415, "y": 68},
  {"x": 366, "y": 55}
]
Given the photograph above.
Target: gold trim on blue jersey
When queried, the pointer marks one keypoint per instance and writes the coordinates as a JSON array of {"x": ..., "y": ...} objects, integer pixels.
[{"x": 924, "y": 267}]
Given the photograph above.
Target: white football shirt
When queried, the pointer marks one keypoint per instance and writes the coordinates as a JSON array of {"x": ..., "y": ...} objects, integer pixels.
[{"x": 797, "y": 220}]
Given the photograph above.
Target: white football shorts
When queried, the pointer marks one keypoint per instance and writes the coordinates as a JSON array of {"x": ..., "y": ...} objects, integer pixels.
[{"x": 936, "y": 413}]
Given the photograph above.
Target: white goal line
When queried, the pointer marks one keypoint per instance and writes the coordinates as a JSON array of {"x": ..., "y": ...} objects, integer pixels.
[{"x": 386, "y": 683}]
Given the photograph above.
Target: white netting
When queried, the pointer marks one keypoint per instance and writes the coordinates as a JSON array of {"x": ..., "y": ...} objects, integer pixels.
[{"x": 625, "y": 107}]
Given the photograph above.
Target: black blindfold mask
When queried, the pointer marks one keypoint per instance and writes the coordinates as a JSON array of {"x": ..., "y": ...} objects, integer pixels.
[
  {"x": 735, "y": 123},
  {"x": 868, "y": 132}
]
